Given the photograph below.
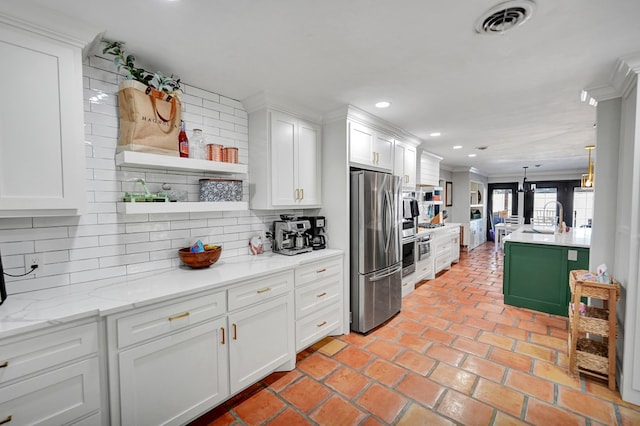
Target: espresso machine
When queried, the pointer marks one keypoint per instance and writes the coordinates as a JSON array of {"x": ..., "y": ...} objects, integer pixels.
[
  {"x": 316, "y": 232},
  {"x": 291, "y": 237}
]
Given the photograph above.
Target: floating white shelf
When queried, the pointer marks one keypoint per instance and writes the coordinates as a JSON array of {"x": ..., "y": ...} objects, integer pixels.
[
  {"x": 476, "y": 205},
  {"x": 166, "y": 162},
  {"x": 182, "y": 207}
]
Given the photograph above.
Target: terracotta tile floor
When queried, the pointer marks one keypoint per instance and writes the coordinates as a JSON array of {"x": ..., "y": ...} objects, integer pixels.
[{"x": 454, "y": 355}]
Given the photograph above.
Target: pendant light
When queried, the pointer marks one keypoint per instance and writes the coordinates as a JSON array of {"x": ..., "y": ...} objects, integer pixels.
[
  {"x": 524, "y": 187},
  {"x": 587, "y": 178}
]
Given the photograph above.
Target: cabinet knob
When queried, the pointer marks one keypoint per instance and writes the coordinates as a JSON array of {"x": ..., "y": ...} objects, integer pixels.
[
  {"x": 321, "y": 294},
  {"x": 6, "y": 420},
  {"x": 4, "y": 364},
  {"x": 222, "y": 330},
  {"x": 302, "y": 193},
  {"x": 321, "y": 324},
  {"x": 235, "y": 332},
  {"x": 319, "y": 271},
  {"x": 264, "y": 290}
]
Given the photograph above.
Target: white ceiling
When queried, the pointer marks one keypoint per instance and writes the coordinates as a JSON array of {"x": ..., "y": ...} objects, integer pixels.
[{"x": 517, "y": 93}]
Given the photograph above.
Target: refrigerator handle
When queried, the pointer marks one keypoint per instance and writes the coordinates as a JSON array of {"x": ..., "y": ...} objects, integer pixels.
[
  {"x": 388, "y": 214},
  {"x": 385, "y": 274}
]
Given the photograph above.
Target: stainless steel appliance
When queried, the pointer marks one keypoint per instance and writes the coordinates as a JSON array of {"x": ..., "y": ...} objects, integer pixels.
[
  {"x": 376, "y": 262},
  {"x": 290, "y": 237},
  {"x": 408, "y": 247},
  {"x": 424, "y": 246},
  {"x": 316, "y": 232}
]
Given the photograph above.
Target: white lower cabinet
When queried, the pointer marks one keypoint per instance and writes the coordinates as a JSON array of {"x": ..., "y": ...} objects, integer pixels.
[
  {"x": 171, "y": 379},
  {"x": 408, "y": 284},
  {"x": 51, "y": 378},
  {"x": 261, "y": 340},
  {"x": 318, "y": 299},
  {"x": 169, "y": 364},
  {"x": 442, "y": 252}
]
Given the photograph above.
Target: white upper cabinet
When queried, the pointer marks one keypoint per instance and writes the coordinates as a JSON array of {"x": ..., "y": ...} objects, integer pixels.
[
  {"x": 42, "y": 156},
  {"x": 284, "y": 161},
  {"x": 429, "y": 169},
  {"x": 405, "y": 164},
  {"x": 370, "y": 148}
]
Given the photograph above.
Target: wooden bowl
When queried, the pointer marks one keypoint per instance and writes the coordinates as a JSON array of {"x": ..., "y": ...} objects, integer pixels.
[{"x": 200, "y": 260}]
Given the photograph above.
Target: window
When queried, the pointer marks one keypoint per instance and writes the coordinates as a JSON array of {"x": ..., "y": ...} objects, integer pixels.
[
  {"x": 502, "y": 200},
  {"x": 541, "y": 197},
  {"x": 582, "y": 207}
]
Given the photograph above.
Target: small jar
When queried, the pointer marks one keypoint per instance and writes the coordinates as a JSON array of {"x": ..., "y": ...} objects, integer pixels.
[
  {"x": 230, "y": 155},
  {"x": 214, "y": 152},
  {"x": 197, "y": 145}
]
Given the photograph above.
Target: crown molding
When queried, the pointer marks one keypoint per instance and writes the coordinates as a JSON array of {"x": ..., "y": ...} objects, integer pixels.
[
  {"x": 47, "y": 23},
  {"x": 623, "y": 78},
  {"x": 280, "y": 103}
]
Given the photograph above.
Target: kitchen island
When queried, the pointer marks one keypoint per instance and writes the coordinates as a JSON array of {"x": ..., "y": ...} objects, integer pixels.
[{"x": 537, "y": 265}]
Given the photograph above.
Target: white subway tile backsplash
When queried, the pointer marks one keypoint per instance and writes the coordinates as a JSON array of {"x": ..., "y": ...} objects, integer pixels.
[
  {"x": 96, "y": 252},
  {"x": 106, "y": 240},
  {"x": 106, "y": 246},
  {"x": 148, "y": 246},
  {"x": 109, "y": 261},
  {"x": 66, "y": 243},
  {"x": 170, "y": 235}
]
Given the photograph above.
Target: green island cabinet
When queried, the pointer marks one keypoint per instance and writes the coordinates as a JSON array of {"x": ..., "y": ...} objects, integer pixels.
[{"x": 536, "y": 276}]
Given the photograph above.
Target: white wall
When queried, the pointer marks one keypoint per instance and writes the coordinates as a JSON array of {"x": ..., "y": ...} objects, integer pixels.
[{"x": 103, "y": 244}]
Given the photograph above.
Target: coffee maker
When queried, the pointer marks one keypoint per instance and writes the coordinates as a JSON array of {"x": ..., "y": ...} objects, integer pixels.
[
  {"x": 291, "y": 237},
  {"x": 316, "y": 232}
]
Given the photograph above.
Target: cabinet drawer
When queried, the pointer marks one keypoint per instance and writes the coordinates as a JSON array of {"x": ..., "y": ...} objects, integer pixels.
[
  {"x": 442, "y": 262},
  {"x": 260, "y": 289},
  {"x": 23, "y": 357},
  {"x": 316, "y": 326},
  {"x": 318, "y": 270},
  {"x": 317, "y": 295},
  {"x": 56, "y": 397},
  {"x": 156, "y": 322}
]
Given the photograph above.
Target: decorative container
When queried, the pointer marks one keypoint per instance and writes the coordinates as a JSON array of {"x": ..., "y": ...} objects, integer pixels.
[
  {"x": 203, "y": 259},
  {"x": 230, "y": 154},
  {"x": 220, "y": 190}
]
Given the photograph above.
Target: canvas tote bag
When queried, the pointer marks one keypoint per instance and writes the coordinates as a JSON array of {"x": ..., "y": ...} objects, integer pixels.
[{"x": 149, "y": 119}]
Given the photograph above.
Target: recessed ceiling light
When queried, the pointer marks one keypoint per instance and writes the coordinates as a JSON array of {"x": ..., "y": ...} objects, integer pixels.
[
  {"x": 383, "y": 104},
  {"x": 435, "y": 134},
  {"x": 472, "y": 155},
  {"x": 457, "y": 147}
]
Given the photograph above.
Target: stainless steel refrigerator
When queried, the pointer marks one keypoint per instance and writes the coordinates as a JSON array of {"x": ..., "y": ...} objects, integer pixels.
[{"x": 376, "y": 255}]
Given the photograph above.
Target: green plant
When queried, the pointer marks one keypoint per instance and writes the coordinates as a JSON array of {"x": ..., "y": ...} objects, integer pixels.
[{"x": 126, "y": 62}]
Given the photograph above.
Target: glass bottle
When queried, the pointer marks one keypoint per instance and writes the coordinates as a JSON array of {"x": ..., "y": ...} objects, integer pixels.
[
  {"x": 198, "y": 145},
  {"x": 183, "y": 141}
]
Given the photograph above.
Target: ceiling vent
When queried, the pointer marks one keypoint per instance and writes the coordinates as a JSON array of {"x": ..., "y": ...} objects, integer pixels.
[{"x": 505, "y": 16}]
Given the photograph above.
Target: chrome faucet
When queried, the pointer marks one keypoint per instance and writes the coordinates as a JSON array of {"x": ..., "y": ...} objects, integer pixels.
[{"x": 558, "y": 220}]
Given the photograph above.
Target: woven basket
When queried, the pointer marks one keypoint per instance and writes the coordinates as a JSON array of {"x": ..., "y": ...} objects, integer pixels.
[
  {"x": 592, "y": 355},
  {"x": 592, "y": 288},
  {"x": 595, "y": 320}
]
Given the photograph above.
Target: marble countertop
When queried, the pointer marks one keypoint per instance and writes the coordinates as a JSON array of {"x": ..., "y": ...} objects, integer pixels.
[
  {"x": 37, "y": 309},
  {"x": 576, "y": 237},
  {"x": 447, "y": 227}
]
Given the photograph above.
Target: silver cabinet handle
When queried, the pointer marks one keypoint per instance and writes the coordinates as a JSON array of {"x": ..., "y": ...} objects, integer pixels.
[{"x": 302, "y": 193}]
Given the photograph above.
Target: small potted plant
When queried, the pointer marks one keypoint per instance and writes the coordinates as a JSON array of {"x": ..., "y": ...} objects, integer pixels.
[{"x": 126, "y": 62}]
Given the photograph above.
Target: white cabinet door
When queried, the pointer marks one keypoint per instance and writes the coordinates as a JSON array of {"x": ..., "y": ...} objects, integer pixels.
[
  {"x": 56, "y": 397},
  {"x": 260, "y": 340},
  {"x": 410, "y": 158},
  {"x": 383, "y": 147},
  {"x": 308, "y": 163},
  {"x": 429, "y": 169},
  {"x": 283, "y": 159},
  {"x": 361, "y": 144},
  {"x": 42, "y": 165},
  {"x": 404, "y": 164},
  {"x": 172, "y": 379},
  {"x": 295, "y": 162}
]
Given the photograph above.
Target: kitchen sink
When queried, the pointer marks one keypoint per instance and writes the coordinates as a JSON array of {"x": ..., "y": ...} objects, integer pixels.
[{"x": 537, "y": 231}]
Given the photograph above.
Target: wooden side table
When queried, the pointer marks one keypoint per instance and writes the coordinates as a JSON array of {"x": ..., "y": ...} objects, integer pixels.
[{"x": 592, "y": 333}]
